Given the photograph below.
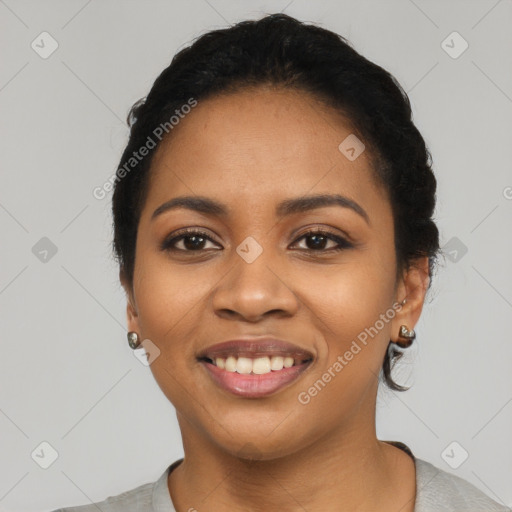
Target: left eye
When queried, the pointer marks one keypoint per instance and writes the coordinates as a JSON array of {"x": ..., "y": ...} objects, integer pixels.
[
  {"x": 194, "y": 241},
  {"x": 320, "y": 238}
]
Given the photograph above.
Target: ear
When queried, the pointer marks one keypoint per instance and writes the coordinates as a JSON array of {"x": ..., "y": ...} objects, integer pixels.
[
  {"x": 132, "y": 316},
  {"x": 412, "y": 286}
]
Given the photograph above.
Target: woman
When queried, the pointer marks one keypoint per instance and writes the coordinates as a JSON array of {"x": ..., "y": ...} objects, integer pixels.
[{"x": 273, "y": 226}]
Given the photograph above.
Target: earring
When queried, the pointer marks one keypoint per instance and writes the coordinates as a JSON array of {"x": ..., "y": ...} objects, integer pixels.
[
  {"x": 406, "y": 337},
  {"x": 404, "y": 301},
  {"x": 133, "y": 340}
]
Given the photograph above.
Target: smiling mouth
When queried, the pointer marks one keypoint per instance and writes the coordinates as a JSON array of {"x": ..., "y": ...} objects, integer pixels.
[
  {"x": 255, "y": 377},
  {"x": 256, "y": 365}
]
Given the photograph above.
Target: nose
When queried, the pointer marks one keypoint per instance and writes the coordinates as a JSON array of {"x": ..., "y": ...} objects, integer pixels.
[{"x": 252, "y": 291}]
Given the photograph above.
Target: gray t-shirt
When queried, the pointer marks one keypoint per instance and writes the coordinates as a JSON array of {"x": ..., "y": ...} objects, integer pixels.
[{"x": 436, "y": 491}]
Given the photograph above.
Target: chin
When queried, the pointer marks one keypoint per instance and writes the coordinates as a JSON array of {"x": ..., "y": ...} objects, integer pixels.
[{"x": 258, "y": 444}]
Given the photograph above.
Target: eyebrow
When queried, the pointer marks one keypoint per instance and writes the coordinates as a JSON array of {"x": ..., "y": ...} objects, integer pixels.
[{"x": 285, "y": 208}]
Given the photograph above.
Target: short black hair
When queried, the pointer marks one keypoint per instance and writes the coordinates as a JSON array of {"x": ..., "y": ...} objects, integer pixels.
[{"x": 279, "y": 50}]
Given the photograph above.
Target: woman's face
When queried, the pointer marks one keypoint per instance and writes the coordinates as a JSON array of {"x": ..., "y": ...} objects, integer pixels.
[{"x": 252, "y": 272}]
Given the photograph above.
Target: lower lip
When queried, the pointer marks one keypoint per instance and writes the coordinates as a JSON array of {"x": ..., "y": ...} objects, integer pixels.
[{"x": 254, "y": 386}]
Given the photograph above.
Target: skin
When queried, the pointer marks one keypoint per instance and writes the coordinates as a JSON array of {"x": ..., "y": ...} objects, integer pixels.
[{"x": 250, "y": 150}]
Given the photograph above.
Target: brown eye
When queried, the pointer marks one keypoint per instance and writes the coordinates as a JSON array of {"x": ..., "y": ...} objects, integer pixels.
[
  {"x": 319, "y": 240},
  {"x": 191, "y": 240}
]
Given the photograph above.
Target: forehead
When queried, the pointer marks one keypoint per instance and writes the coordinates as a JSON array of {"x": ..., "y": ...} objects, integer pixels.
[{"x": 260, "y": 145}]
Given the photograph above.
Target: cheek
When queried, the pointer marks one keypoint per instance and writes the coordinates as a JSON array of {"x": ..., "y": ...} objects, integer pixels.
[
  {"x": 351, "y": 296},
  {"x": 347, "y": 314},
  {"x": 168, "y": 300},
  {"x": 349, "y": 305}
]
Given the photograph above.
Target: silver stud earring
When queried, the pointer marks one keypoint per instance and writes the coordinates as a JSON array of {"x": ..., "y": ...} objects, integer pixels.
[{"x": 133, "y": 339}]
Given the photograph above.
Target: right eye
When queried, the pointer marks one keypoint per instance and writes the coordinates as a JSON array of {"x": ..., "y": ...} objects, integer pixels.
[{"x": 192, "y": 240}]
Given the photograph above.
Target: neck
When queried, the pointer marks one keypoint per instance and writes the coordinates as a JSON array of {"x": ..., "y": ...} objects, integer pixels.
[{"x": 350, "y": 470}]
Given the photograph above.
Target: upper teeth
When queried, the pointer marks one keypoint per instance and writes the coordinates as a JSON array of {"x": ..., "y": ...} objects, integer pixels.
[{"x": 258, "y": 366}]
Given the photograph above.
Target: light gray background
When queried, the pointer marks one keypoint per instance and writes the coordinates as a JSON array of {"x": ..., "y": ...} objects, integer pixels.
[{"x": 67, "y": 374}]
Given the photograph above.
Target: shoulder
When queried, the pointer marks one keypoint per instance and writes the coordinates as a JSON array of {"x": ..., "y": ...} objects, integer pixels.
[
  {"x": 138, "y": 499},
  {"x": 148, "y": 497},
  {"x": 438, "y": 490}
]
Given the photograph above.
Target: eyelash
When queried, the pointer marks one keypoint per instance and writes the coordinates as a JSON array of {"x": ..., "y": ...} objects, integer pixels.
[{"x": 167, "y": 245}]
